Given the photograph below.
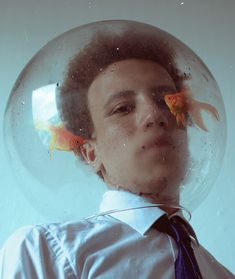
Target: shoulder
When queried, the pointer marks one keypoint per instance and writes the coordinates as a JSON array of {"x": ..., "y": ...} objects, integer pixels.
[
  {"x": 210, "y": 266},
  {"x": 54, "y": 250},
  {"x": 41, "y": 250},
  {"x": 57, "y": 232},
  {"x": 45, "y": 234},
  {"x": 19, "y": 254},
  {"x": 20, "y": 238}
]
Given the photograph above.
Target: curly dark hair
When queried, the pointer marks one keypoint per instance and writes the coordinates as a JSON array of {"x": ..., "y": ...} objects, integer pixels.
[{"x": 104, "y": 49}]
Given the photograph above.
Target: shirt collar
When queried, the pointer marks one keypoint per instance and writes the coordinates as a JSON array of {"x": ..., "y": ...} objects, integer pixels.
[{"x": 140, "y": 219}]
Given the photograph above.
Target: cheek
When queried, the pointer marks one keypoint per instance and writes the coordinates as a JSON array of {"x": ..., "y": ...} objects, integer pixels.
[
  {"x": 113, "y": 141},
  {"x": 181, "y": 150}
]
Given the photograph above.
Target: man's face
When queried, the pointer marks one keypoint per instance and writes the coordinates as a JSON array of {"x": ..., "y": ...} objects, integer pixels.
[{"x": 137, "y": 144}]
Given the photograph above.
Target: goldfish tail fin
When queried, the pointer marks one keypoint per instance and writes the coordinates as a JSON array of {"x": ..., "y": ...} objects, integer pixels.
[
  {"x": 213, "y": 111},
  {"x": 195, "y": 110},
  {"x": 40, "y": 125},
  {"x": 197, "y": 119},
  {"x": 52, "y": 146},
  {"x": 180, "y": 119}
]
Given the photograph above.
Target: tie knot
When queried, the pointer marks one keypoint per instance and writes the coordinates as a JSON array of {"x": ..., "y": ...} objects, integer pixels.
[{"x": 176, "y": 227}]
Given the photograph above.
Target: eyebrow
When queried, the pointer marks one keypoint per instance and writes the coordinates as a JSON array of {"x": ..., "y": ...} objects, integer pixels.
[
  {"x": 163, "y": 89},
  {"x": 130, "y": 93},
  {"x": 119, "y": 95}
]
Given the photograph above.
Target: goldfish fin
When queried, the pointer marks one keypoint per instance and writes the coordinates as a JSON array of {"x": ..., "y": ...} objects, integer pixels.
[
  {"x": 40, "y": 125},
  {"x": 197, "y": 119},
  {"x": 210, "y": 109},
  {"x": 180, "y": 119},
  {"x": 195, "y": 110},
  {"x": 52, "y": 145}
]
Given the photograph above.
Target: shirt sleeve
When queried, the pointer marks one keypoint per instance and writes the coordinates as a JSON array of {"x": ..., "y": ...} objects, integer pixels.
[{"x": 31, "y": 252}]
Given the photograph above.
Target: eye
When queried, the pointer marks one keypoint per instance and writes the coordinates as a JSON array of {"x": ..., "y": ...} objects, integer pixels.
[
  {"x": 159, "y": 100},
  {"x": 123, "y": 109},
  {"x": 159, "y": 94}
]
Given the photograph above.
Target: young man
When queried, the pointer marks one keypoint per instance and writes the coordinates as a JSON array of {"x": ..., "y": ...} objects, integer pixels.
[{"x": 114, "y": 97}]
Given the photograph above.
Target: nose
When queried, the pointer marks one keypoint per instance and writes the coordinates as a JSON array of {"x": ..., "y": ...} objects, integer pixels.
[{"x": 151, "y": 115}]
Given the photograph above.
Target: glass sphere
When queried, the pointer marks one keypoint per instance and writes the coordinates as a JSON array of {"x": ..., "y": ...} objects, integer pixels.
[{"x": 48, "y": 171}]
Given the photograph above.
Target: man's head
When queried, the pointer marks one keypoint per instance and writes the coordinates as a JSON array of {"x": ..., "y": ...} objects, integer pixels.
[{"x": 113, "y": 96}]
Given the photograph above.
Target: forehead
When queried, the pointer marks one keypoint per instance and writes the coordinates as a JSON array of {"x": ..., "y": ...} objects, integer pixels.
[
  {"x": 130, "y": 69},
  {"x": 129, "y": 74}
]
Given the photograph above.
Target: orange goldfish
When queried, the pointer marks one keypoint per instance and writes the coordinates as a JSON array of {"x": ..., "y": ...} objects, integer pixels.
[
  {"x": 61, "y": 138},
  {"x": 178, "y": 107},
  {"x": 181, "y": 103}
]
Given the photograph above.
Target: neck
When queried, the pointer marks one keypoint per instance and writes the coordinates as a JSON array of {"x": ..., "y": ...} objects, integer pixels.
[{"x": 169, "y": 205}]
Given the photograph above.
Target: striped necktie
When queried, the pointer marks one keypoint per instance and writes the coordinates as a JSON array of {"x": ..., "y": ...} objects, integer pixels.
[{"x": 186, "y": 266}]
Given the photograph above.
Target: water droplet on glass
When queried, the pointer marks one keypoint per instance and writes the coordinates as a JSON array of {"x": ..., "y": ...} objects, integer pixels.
[
  {"x": 90, "y": 2},
  {"x": 23, "y": 103},
  {"x": 26, "y": 36},
  {"x": 219, "y": 212},
  {"x": 181, "y": 3}
]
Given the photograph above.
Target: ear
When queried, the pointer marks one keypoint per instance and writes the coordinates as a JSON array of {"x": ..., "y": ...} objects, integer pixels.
[{"x": 89, "y": 153}]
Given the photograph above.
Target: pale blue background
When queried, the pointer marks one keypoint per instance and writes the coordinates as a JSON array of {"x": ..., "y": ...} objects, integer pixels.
[{"x": 207, "y": 26}]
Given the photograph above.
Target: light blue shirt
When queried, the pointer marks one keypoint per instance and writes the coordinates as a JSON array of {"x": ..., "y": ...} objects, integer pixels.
[{"x": 112, "y": 245}]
